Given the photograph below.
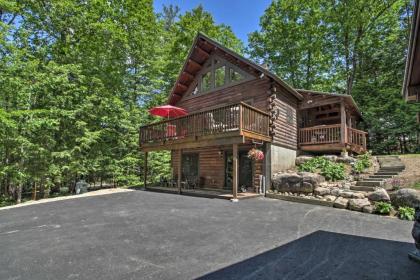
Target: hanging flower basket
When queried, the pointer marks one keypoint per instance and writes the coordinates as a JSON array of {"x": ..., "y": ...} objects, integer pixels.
[{"x": 255, "y": 154}]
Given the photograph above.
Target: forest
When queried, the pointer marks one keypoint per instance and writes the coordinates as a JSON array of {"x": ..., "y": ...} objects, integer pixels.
[{"x": 77, "y": 78}]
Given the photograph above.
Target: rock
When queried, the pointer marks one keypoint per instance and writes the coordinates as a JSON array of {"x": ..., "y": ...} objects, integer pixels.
[
  {"x": 332, "y": 158},
  {"x": 302, "y": 159},
  {"x": 312, "y": 178},
  {"x": 346, "y": 194},
  {"x": 347, "y": 159},
  {"x": 321, "y": 191},
  {"x": 341, "y": 203},
  {"x": 368, "y": 209},
  {"x": 357, "y": 204},
  {"x": 336, "y": 191},
  {"x": 358, "y": 195},
  {"x": 330, "y": 197},
  {"x": 347, "y": 186},
  {"x": 405, "y": 197},
  {"x": 379, "y": 195},
  {"x": 319, "y": 197}
]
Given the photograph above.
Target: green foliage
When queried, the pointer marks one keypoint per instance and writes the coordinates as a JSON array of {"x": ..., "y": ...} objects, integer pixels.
[
  {"x": 406, "y": 213},
  {"x": 330, "y": 170},
  {"x": 363, "y": 162},
  {"x": 364, "y": 56},
  {"x": 384, "y": 208},
  {"x": 77, "y": 79},
  {"x": 6, "y": 201}
]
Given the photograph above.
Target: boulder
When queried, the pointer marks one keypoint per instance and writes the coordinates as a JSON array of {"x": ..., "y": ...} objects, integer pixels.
[
  {"x": 332, "y": 158},
  {"x": 336, "y": 191},
  {"x": 291, "y": 182},
  {"x": 405, "y": 197},
  {"x": 330, "y": 198},
  {"x": 347, "y": 159},
  {"x": 341, "y": 203},
  {"x": 302, "y": 159},
  {"x": 358, "y": 195},
  {"x": 379, "y": 195},
  {"x": 312, "y": 178},
  {"x": 321, "y": 191},
  {"x": 357, "y": 204},
  {"x": 368, "y": 209},
  {"x": 346, "y": 194}
]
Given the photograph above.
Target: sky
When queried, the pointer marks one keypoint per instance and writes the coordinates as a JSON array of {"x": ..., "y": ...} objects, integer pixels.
[{"x": 242, "y": 15}]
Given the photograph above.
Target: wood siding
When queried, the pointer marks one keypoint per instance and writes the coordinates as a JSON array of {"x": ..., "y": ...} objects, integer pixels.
[
  {"x": 253, "y": 92},
  {"x": 211, "y": 166},
  {"x": 285, "y": 130}
]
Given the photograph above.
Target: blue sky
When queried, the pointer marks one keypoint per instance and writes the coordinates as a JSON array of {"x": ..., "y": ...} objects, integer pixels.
[{"x": 242, "y": 15}]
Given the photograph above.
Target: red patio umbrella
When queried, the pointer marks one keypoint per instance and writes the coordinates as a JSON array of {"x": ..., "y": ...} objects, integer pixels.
[{"x": 168, "y": 111}]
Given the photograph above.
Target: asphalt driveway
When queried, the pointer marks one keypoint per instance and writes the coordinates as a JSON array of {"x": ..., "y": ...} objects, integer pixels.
[{"x": 144, "y": 235}]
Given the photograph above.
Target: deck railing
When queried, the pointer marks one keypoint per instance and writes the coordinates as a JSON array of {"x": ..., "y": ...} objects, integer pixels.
[
  {"x": 357, "y": 137},
  {"x": 320, "y": 134},
  {"x": 230, "y": 118},
  {"x": 329, "y": 134}
]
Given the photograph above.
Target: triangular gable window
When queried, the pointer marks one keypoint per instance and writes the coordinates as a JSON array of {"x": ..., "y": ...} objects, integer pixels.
[{"x": 217, "y": 73}]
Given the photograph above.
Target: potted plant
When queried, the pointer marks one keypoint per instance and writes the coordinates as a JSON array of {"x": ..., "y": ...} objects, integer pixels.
[{"x": 255, "y": 154}]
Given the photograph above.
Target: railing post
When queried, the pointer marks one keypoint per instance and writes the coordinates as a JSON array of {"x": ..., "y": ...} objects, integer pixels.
[
  {"x": 343, "y": 124},
  {"x": 240, "y": 118}
]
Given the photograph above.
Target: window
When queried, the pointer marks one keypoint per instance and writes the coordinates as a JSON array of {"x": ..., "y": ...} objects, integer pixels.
[
  {"x": 219, "y": 76},
  {"x": 234, "y": 76},
  {"x": 195, "y": 91},
  {"x": 289, "y": 115},
  {"x": 206, "y": 81}
]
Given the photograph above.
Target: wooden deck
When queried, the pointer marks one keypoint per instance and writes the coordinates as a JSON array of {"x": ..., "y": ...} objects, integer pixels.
[
  {"x": 329, "y": 138},
  {"x": 220, "y": 126}
]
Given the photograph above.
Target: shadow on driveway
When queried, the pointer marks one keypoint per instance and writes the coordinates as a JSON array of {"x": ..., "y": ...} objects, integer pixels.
[{"x": 327, "y": 255}]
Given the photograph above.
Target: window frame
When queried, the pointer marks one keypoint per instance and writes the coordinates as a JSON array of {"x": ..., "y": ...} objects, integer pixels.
[{"x": 211, "y": 66}]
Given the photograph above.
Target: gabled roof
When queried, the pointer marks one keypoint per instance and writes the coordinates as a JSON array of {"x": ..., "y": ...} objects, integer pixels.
[
  {"x": 348, "y": 98},
  {"x": 412, "y": 69},
  {"x": 200, "y": 51}
]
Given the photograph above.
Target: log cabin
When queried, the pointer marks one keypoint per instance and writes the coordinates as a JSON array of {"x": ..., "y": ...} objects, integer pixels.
[
  {"x": 235, "y": 105},
  {"x": 411, "y": 86}
]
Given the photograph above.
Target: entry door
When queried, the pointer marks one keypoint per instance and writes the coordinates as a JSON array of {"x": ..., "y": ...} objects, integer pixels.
[{"x": 244, "y": 168}]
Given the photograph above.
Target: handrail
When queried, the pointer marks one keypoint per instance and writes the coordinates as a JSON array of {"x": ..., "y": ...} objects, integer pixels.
[{"x": 228, "y": 118}]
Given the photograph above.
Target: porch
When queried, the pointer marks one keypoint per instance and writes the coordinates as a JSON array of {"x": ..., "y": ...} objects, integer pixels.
[
  {"x": 209, "y": 151},
  {"x": 328, "y": 123}
]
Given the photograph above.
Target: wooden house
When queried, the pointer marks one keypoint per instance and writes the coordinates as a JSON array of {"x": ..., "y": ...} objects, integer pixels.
[{"x": 235, "y": 105}]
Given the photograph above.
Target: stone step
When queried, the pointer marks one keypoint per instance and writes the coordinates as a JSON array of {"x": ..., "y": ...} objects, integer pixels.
[
  {"x": 363, "y": 188},
  {"x": 387, "y": 173},
  {"x": 380, "y": 176},
  {"x": 370, "y": 183},
  {"x": 373, "y": 180},
  {"x": 391, "y": 169}
]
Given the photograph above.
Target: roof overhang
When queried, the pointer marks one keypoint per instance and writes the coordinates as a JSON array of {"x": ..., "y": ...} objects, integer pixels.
[
  {"x": 411, "y": 86},
  {"x": 348, "y": 99},
  {"x": 201, "y": 49}
]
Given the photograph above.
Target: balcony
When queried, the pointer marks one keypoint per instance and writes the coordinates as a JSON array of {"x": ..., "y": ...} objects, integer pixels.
[
  {"x": 223, "y": 125},
  {"x": 329, "y": 138}
]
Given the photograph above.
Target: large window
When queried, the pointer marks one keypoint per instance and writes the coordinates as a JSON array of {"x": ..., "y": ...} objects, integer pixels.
[
  {"x": 218, "y": 73},
  {"x": 206, "y": 81}
]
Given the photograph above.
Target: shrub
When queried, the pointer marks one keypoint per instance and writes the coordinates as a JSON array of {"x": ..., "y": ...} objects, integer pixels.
[
  {"x": 383, "y": 208},
  {"x": 363, "y": 161},
  {"x": 6, "y": 201},
  {"x": 406, "y": 213},
  {"x": 395, "y": 183},
  {"x": 330, "y": 170}
]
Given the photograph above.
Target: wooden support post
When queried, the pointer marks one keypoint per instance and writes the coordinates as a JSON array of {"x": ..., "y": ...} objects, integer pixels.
[
  {"x": 145, "y": 169},
  {"x": 267, "y": 166},
  {"x": 235, "y": 172},
  {"x": 179, "y": 170},
  {"x": 343, "y": 124}
]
